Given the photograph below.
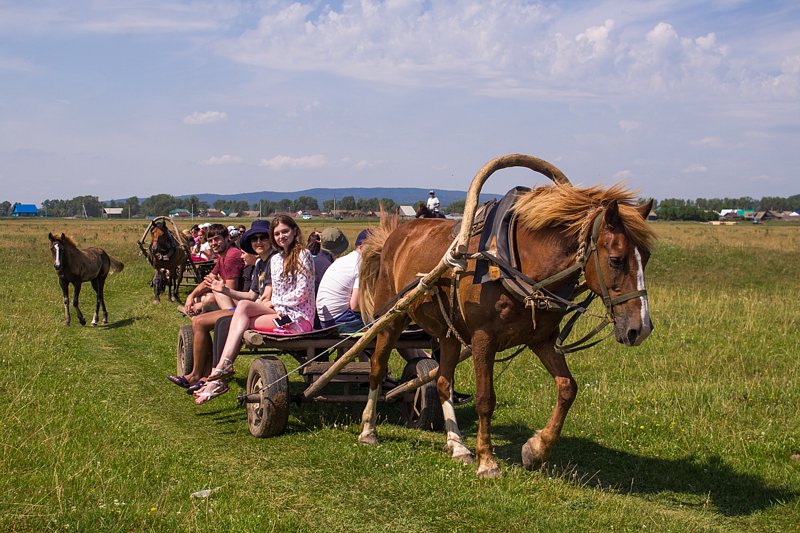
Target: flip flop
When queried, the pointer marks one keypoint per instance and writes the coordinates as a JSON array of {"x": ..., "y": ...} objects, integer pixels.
[
  {"x": 180, "y": 381},
  {"x": 196, "y": 387},
  {"x": 217, "y": 389}
]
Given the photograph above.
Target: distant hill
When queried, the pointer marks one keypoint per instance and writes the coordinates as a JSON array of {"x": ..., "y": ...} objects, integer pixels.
[{"x": 400, "y": 195}]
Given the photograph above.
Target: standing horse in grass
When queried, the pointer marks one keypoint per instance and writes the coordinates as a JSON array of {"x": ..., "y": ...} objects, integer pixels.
[
  {"x": 424, "y": 212},
  {"x": 561, "y": 234},
  {"x": 167, "y": 254},
  {"x": 75, "y": 266}
]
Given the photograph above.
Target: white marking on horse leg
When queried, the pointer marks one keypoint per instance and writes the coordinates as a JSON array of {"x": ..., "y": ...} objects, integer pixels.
[
  {"x": 645, "y": 308},
  {"x": 455, "y": 443},
  {"x": 369, "y": 419}
]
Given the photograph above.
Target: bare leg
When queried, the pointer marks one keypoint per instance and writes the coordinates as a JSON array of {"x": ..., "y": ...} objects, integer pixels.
[
  {"x": 537, "y": 449},
  {"x": 246, "y": 313},
  {"x": 202, "y": 325}
]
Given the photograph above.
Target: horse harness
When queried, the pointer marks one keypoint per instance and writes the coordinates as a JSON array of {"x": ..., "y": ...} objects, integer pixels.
[
  {"x": 496, "y": 222},
  {"x": 172, "y": 247}
]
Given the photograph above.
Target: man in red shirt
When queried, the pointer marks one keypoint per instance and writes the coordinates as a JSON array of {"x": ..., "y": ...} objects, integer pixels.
[{"x": 229, "y": 268}]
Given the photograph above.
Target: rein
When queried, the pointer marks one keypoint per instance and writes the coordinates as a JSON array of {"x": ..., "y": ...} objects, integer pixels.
[{"x": 536, "y": 296}]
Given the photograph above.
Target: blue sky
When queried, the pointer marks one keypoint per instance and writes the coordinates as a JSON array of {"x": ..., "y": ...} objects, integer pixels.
[{"x": 674, "y": 98}]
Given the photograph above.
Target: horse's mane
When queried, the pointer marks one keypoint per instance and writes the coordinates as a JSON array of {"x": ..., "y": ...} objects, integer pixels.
[
  {"x": 69, "y": 240},
  {"x": 573, "y": 207}
]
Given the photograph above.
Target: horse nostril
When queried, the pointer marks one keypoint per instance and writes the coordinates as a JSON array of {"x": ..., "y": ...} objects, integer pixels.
[{"x": 633, "y": 334}]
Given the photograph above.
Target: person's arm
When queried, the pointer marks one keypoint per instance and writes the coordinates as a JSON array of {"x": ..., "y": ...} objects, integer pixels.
[
  {"x": 224, "y": 288},
  {"x": 354, "y": 300}
]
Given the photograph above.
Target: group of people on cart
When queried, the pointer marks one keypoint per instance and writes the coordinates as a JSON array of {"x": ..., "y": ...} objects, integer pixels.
[
  {"x": 274, "y": 283},
  {"x": 199, "y": 245}
]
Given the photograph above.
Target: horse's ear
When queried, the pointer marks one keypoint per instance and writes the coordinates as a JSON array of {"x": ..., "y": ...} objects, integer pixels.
[
  {"x": 645, "y": 209},
  {"x": 63, "y": 236},
  {"x": 612, "y": 214},
  {"x": 50, "y": 236}
]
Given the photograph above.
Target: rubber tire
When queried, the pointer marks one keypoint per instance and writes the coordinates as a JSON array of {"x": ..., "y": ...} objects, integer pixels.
[
  {"x": 421, "y": 408},
  {"x": 268, "y": 417},
  {"x": 185, "y": 359}
]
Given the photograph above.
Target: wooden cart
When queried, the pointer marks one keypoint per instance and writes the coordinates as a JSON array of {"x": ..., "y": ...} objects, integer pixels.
[{"x": 267, "y": 396}]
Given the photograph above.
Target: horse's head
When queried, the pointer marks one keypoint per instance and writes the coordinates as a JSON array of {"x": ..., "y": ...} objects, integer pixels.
[
  {"x": 422, "y": 211},
  {"x": 162, "y": 245},
  {"x": 616, "y": 272},
  {"x": 57, "y": 250}
]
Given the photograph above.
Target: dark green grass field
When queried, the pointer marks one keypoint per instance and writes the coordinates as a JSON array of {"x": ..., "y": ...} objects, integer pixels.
[{"x": 694, "y": 430}]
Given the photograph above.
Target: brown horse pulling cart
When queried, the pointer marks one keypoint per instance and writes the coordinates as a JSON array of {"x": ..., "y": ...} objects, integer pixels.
[
  {"x": 169, "y": 254},
  {"x": 508, "y": 284}
]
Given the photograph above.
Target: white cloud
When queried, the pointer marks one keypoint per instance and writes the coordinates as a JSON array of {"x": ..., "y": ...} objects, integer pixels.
[
  {"x": 623, "y": 175},
  {"x": 226, "y": 159},
  {"x": 628, "y": 125},
  {"x": 206, "y": 117},
  {"x": 284, "y": 161},
  {"x": 708, "y": 140},
  {"x": 363, "y": 164},
  {"x": 506, "y": 47},
  {"x": 695, "y": 168}
]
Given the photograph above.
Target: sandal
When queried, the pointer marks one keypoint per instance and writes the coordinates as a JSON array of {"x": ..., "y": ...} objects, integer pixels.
[
  {"x": 225, "y": 372},
  {"x": 196, "y": 387},
  {"x": 180, "y": 381},
  {"x": 215, "y": 388}
]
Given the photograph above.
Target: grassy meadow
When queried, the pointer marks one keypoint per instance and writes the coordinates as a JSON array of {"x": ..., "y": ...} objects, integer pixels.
[{"x": 692, "y": 431}]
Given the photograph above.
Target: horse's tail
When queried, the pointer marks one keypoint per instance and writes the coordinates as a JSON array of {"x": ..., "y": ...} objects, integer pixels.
[
  {"x": 116, "y": 266},
  {"x": 371, "y": 263}
]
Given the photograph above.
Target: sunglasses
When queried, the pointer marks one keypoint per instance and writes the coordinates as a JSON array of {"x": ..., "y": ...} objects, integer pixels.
[{"x": 260, "y": 237}]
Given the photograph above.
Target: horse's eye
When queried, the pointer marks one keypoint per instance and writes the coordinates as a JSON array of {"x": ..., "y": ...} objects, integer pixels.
[{"x": 616, "y": 262}]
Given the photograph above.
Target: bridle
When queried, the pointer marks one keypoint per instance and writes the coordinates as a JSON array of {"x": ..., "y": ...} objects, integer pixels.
[
  {"x": 536, "y": 296},
  {"x": 163, "y": 253}
]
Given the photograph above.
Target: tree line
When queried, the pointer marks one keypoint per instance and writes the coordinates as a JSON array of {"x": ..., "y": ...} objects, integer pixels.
[
  {"x": 704, "y": 209},
  {"x": 161, "y": 204}
]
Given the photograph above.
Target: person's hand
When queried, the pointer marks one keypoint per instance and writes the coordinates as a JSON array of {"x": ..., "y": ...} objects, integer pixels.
[
  {"x": 209, "y": 279},
  {"x": 217, "y": 285},
  {"x": 187, "y": 306}
]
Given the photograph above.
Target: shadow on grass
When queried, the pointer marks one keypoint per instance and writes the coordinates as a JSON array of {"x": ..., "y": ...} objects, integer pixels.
[
  {"x": 590, "y": 464},
  {"x": 121, "y": 323}
]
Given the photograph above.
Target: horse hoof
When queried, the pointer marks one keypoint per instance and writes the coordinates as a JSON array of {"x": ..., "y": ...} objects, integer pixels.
[
  {"x": 82, "y": 321},
  {"x": 489, "y": 472},
  {"x": 94, "y": 323},
  {"x": 368, "y": 438},
  {"x": 466, "y": 458},
  {"x": 156, "y": 301},
  {"x": 533, "y": 453}
]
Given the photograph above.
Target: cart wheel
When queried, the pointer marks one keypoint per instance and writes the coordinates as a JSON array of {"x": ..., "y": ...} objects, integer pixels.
[
  {"x": 185, "y": 350},
  {"x": 267, "y": 417},
  {"x": 421, "y": 408}
]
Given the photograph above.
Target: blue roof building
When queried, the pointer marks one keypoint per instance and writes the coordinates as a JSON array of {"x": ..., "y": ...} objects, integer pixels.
[{"x": 25, "y": 210}]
